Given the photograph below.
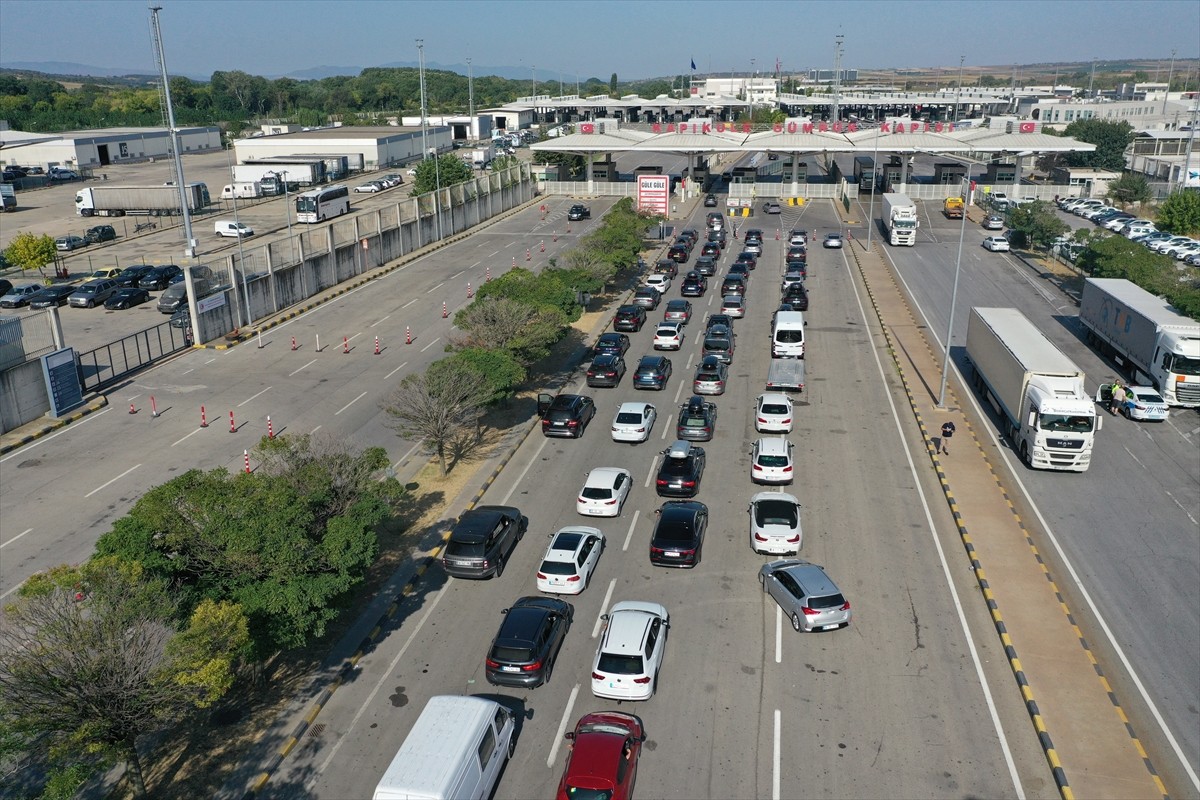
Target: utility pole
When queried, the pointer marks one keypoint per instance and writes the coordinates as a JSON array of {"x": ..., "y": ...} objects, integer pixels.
[
  {"x": 471, "y": 99},
  {"x": 958, "y": 97},
  {"x": 1170, "y": 74},
  {"x": 189, "y": 248},
  {"x": 1187, "y": 159},
  {"x": 421, "y": 75},
  {"x": 837, "y": 76}
]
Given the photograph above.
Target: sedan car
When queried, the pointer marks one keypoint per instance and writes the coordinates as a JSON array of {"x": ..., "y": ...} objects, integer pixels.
[
  {"x": 633, "y": 422},
  {"x": 370, "y": 187},
  {"x": 669, "y": 336},
  {"x": 734, "y": 306},
  {"x": 527, "y": 644},
  {"x": 711, "y": 374},
  {"x": 647, "y": 297},
  {"x": 772, "y": 208},
  {"x": 832, "y": 240},
  {"x": 482, "y": 541},
  {"x": 681, "y": 471},
  {"x": 69, "y": 243},
  {"x": 1145, "y": 404},
  {"x": 997, "y": 244},
  {"x": 806, "y": 594},
  {"x": 631, "y": 651},
  {"x": 160, "y": 277},
  {"x": 993, "y": 223},
  {"x": 797, "y": 237},
  {"x": 570, "y": 560},
  {"x": 697, "y": 420},
  {"x": 127, "y": 298},
  {"x": 678, "y": 311},
  {"x": 604, "y": 492},
  {"x": 678, "y": 538},
  {"x": 606, "y": 370},
  {"x": 611, "y": 343},
  {"x": 18, "y": 296},
  {"x": 630, "y": 318},
  {"x": 653, "y": 372},
  {"x": 131, "y": 275},
  {"x": 51, "y": 296},
  {"x": 603, "y": 758},
  {"x": 773, "y": 413},
  {"x": 775, "y": 524},
  {"x": 694, "y": 285},
  {"x": 771, "y": 461}
]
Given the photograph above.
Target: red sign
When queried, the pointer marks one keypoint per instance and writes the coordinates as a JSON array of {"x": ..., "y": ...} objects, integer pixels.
[
  {"x": 1028, "y": 127},
  {"x": 654, "y": 193},
  {"x": 587, "y": 127}
]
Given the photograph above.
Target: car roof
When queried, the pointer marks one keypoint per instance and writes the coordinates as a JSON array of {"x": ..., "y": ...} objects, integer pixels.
[
  {"x": 711, "y": 362},
  {"x": 678, "y": 303},
  {"x": 651, "y": 361},
  {"x": 474, "y": 525},
  {"x": 680, "y": 449},
  {"x": 774, "y": 397},
  {"x": 605, "y": 358},
  {"x": 604, "y": 476},
  {"x": 811, "y": 577},
  {"x": 773, "y": 447},
  {"x": 566, "y": 542},
  {"x": 632, "y": 408},
  {"x": 627, "y": 625}
]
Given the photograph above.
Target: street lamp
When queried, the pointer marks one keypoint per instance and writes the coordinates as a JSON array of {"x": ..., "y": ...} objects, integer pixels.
[
  {"x": 958, "y": 96},
  {"x": 962, "y": 233},
  {"x": 421, "y": 72},
  {"x": 871, "y": 212}
]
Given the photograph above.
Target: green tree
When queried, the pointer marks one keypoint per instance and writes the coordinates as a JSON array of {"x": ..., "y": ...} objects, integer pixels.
[
  {"x": 447, "y": 170},
  {"x": 499, "y": 323},
  {"x": 1035, "y": 223},
  {"x": 502, "y": 370},
  {"x": 1117, "y": 257},
  {"x": 545, "y": 290},
  {"x": 1110, "y": 138},
  {"x": 30, "y": 251},
  {"x": 1180, "y": 213},
  {"x": 612, "y": 85},
  {"x": 501, "y": 163},
  {"x": 441, "y": 407},
  {"x": 1129, "y": 188}
]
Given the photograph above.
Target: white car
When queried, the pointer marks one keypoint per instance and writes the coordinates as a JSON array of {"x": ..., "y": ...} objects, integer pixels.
[
  {"x": 604, "y": 492},
  {"x": 1163, "y": 245},
  {"x": 1181, "y": 251},
  {"x": 631, "y": 651},
  {"x": 1147, "y": 404},
  {"x": 659, "y": 282},
  {"x": 1116, "y": 224},
  {"x": 370, "y": 187},
  {"x": 773, "y": 413},
  {"x": 997, "y": 244},
  {"x": 771, "y": 461},
  {"x": 634, "y": 422},
  {"x": 775, "y": 524},
  {"x": 832, "y": 240},
  {"x": 570, "y": 560},
  {"x": 797, "y": 239},
  {"x": 668, "y": 336}
]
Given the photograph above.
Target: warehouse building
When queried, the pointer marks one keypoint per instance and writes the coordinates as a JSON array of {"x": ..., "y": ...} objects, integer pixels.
[
  {"x": 99, "y": 148},
  {"x": 380, "y": 146}
]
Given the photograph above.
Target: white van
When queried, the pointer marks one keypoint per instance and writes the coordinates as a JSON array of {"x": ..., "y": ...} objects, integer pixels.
[
  {"x": 455, "y": 751},
  {"x": 787, "y": 335},
  {"x": 227, "y": 227}
]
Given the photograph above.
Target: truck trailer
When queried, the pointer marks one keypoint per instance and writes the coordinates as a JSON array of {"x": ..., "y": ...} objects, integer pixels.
[
  {"x": 1039, "y": 392},
  {"x": 900, "y": 219},
  {"x": 155, "y": 201},
  {"x": 786, "y": 375},
  {"x": 296, "y": 175},
  {"x": 1145, "y": 336}
]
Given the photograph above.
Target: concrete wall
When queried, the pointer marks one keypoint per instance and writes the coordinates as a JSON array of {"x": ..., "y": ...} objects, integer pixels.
[{"x": 23, "y": 396}]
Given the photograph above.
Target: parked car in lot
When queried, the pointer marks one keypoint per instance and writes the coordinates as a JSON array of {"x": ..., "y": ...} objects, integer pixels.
[
  {"x": 697, "y": 420},
  {"x": 997, "y": 244},
  {"x": 160, "y": 277},
  {"x": 482, "y": 541},
  {"x": 681, "y": 470},
  {"x": 775, "y": 527},
  {"x": 578, "y": 212},
  {"x": 633, "y": 422},
  {"x": 570, "y": 560},
  {"x": 130, "y": 276},
  {"x": 100, "y": 233},
  {"x": 527, "y": 644},
  {"x": 993, "y": 223},
  {"x": 127, "y": 298},
  {"x": 370, "y": 187},
  {"x": 565, "y": 414},
  {"x": 710, "y": 378},
  {"x": 771, "y": 461},
  {"x": 603, "y": 759},
  {"x": 68, "y": 243},
  {"x": 92, "y": 293},
  {"x": 808, "y": 597},
  {"x": 18, "y": 296},
  {"x": 604, "y": 492},
  {"x": 630, "y": 318},
  {"x": 105, "y": 272},
  {"x": 773, "y": 413},
  {"x": 631, "y": 650},
  {"x": 678, "y": 538},
  {"x": 606, "y": 370},
  {"x": 55, "y": 295},
  {"x": 652, "y": 372}
]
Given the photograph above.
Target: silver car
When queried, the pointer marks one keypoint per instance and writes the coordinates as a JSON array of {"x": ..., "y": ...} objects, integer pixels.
[{"x": 806, "y": 594}]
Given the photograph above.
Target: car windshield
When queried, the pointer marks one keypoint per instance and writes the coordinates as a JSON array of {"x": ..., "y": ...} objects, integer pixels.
[
  {"x": 1183, "y": 365},
  {"x": 628, "y": 418},
  {"x": 616, "y": 664},
  {"x": 828, "y": 601},
  {"x": 775, "y": 512},
  {"x": 557, "y": 568},
  {"x": 604, "y": 727},
  {"x": 1066, "y": 423},
  {"x": 773, "y": 461},
  {"x": 596, "y": 493}
]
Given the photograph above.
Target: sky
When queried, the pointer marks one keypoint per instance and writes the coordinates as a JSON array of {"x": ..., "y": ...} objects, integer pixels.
[{"x": 591, "y": 38}]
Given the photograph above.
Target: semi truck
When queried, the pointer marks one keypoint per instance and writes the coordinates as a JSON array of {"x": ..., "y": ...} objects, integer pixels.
[
  {"x": 1145, "y": 336},
  {"x": 900, "y": 219},
  {"x": 155, "y": 201},
  {"x": 1036, "y": 389},
  {"x": 297, "y": 175},
  {"x": 952, "y": 207}
]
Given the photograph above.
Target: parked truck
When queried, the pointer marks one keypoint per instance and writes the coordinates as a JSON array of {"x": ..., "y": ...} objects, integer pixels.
[
  {"x": 900, "y": 219},
  {"x": 271, "y": 176},
  {"x": 155, "y": 201},
  {"x": 953, "y": 207},
  {"x": 1145, "y": 336},
  {"x": 1039, "y": 392}
]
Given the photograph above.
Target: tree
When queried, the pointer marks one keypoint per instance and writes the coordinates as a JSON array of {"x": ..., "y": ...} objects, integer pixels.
[
  {"x": 1129, "y": 188},
  {"x": 1035, "y": 223},
  {"x": 90, "y": 658},
  {"x": 442, "y": 408},
  {"x": 503, "y": 323},
  {"x": 612, "y": 85},
  {"x": 30, "y": 251},
  {"x": 1117, "y": 257},
  {"x": 1180, "y": 213},
  {"x": 503, "y": 162},
  {"x": 446, "y": 170},
  {"x": 1110, "y": 138},
  {"x": 502, "y": 370}
]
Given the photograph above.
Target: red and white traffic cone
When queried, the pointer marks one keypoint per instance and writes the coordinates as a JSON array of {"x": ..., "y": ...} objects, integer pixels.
[
  {"x": 542, "y": 246},
  {"x": 203, "y": 418},
  {"x": 554, "y": 237},
  {"x": 270, "y": 428},
  {"x": 528, "y": 254},
  {"x": 470, "y": 291},
  {"x": 232, "y": 427},
  {"x": 376, "y": 345},
  {"x": 487, "y": 273},
  {"x": 132, "y": 410},
  {"x": 514, "y": 262},
  {"x": 293, "y": 342},
  {"x": 777, "y": 234},
  {"x": 445, "y": 311},
  {"x": 153, "y": 407},
  {"x": 407, "y": 334},
  {"x": 568, "y": 227},
  {"x": 345, "y": 344},
  {"x": 246, "y": 455}
]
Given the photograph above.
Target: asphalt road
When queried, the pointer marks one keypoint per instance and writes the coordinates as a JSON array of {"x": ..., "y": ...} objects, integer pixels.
[{"x": 1128, "y": 526}]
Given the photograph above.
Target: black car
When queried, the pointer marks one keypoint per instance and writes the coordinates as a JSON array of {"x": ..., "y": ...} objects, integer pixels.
[
  {"x": 482, "y": 541},
  {"x": 719, "y": 236},
  {"x": 710, "y": 200},
  {"x": 51, "y": 296},
  {"x": 733, "y": 284},
  {"x": 565, "y": 414},
  {"x": 690, "y": 235},
  {"x": 797, "y": 295},
  {"x": 160, "y": 277},
  {"x": 694, "y": 285},
  {"x": 697, "y": 420},
  {"x": 606, "y": 369},
  {"x": 796, "y": 252},
  {"x": 796, "y": 266},
  {"x": 741, "y": 270},
  {"x": 647, "y": 297},
  {"x": 527, "y": 644},
  {"x": 679, "y": 253},
  {"x": 653, "y": 372},
  {"x": 711, "y": 249},
  {"x": 718, "y": 319},
  {"x": 630, "y": 318},
  {"x": 678, "y": 537},
  {"x": 705, "y": 265},
  {"x": 681, "y": 470},
  {"x": 753, "y": 236},
  {"x": 578, "y": 212},
  {"x": 614, "y": 343},
  {"x": 100, "y": 233},
  {"x": 666, "y": 266},
  {"x": 748, "y": 259},
  {"x": 130, "y": 276},
  {"x": 127, "y": 298}
]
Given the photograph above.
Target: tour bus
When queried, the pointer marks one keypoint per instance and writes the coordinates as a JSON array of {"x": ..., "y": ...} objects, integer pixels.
[{"x": 322, "y": 204}]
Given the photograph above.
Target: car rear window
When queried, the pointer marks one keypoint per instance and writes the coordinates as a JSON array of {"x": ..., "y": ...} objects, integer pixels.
[
  {"x": 708, "y": 376},
  {"x": 629, "y": 419},
  {"x": 789, "y": 336},
  {"x": 615, "y": 664},
  {"x": 677, "y": 466},
  {"x": 773, "y": 408},
  {"x": 772, "y": 512},
  {"x": 512, "y": 653},
  {"x": 596, "y": 493},
  {"x": 694, "y": 422},
  {"x": 773, "y": 461},
  {"x": 828, "y": 601},
  {"x": 716, "y": 344},
  {"x": 464, "y": 549},
  {"x": 557, "y": 568}
]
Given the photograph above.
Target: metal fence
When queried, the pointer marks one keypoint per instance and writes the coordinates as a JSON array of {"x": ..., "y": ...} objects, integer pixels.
[
  {"x": 106, "y": 365},
  {"x": 26, "y": 337}
]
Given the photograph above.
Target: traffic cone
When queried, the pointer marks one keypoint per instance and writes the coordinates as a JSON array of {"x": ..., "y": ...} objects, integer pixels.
[
  {"x": 270, "y": 428},
  {"x": 293, "y": 342},
  {"x": 528, "y": 254},
  {"x": 543, "y": 245},
  {"x": 777, "y": 234},
  {"x": 376, "y": 351},
  {"x": 487, "y": 272},
  {"x": 345, "y": 344},
  {"x": 470, "y": 292},
  {"x": 514, "y": 262},
  {"x": 132, "y": 410},
  {"x": 407, "y": 334},
  {"x": 555, "y": 236},
  {"x": 445, "y": 311}
]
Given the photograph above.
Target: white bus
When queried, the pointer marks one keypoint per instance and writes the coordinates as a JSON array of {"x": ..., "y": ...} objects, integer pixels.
[{"x": 322, "y": 204}]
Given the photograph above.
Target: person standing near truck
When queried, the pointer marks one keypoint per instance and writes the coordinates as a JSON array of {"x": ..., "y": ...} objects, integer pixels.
[{"x": 1117, "y": 399}]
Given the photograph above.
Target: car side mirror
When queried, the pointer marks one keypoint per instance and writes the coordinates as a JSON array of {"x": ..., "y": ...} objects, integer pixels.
[
  {"x": 569, "y": 735},
  {"x": 604, "y": 617}
]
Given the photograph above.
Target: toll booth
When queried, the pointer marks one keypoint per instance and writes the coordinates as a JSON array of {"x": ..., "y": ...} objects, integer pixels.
[
  {"x": 944, "y": 174},
  {"x": 745, "y": 175},
  {"x": 604, "y": 171},
  {"x": 1000, "y": 173}
]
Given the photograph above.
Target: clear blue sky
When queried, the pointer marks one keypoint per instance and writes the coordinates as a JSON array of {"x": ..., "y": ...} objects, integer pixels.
[{"x": 593, "y": 38}]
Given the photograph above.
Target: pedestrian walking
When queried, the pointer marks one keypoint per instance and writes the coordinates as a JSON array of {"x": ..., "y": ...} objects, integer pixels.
[{"x": 947, "y": 433}]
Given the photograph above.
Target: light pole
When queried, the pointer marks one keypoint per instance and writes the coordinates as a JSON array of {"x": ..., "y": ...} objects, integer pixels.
[
  {"x": 871, "y": 213},
  {"x": 421, "y": 73},
  {"x": 189, "y": 249},
  {"x": 471, "y": 101},
  {"x": 962, "y": 233},
  {"x": 958, "y": 96},
  {"x": 241, "y": 254}
]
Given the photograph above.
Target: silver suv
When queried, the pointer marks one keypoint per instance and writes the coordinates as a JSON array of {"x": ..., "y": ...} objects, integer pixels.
[{"x": 92, "y": 293}]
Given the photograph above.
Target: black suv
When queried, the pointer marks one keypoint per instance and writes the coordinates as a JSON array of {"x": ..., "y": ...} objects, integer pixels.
[
  {"x": 565, "y": 414},
  {"x": 527, "y": 644},
  {"x": 679, "y": 253},
  {"x": 718, "y": 319},
  {"x": 706, "y": 265},
  {"x": 733, "y": 284},
  {"x": 694, "y": 285},
  {"x": 710, "y": 249},
  {"x": 100, "y": 233},
  {"x": 697, "y": 420},
  {"x": 159, "y": 277},
  {"x": 681, "y": 470},
  {"x": 629, "y": 318},
  {"x": 797, "y": 295},
  {"x": 747, "y": 258},
  {"x": 612, "y": 343},
  {"x": 653, "y": 372},
  {"x": 578, "y": 212},
  {"x": 130, "y": 276},
  {"x": 678, "y": 539},
  {"x": 482, "y": 541},
  {"x": 607, "y": 369},
  {"x": 754, "y": 236}
]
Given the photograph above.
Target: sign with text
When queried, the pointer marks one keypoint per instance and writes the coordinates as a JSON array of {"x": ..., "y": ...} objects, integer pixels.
[
  {"x": 209, "y": 303},
  {"x": 63, "y": 384},
  {"x": 654, "y": 193}
]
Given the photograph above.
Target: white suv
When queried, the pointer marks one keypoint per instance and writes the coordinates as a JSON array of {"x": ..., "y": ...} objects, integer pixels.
[
  {"x": 771, "y": 461},
  {"x": 631, "y": 651}
]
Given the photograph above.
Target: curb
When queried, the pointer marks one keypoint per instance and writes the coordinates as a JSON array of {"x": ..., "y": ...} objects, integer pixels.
[{"x": 100, "y": 402}]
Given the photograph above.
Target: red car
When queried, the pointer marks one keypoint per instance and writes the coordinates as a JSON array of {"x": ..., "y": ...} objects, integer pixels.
[{"x": 603, "y": 759}]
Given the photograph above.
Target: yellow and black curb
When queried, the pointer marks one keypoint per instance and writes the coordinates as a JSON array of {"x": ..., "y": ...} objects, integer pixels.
[{"x": 98, "y": 403}]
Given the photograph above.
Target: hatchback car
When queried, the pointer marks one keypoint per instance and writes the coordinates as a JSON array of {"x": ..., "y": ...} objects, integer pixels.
[
  {"x": 792, "y": 276},
  {"x": 710, "y": 378},
  {"x": 753, "y": 248},
  {"x": 681, "y": 471},
  {"x": 527, "y": 644},
  {"x": 710, "y": 200},
  {"x": 678, "y": 311},
  {"x": 697, "y": 420},
  {"x": 127, "y": 298},
  {"x": 659, "y": 282},
  {"x": 993, "y": 223},
  {"x": 100, "y": 233},
  {"x": 719, "y": 343},
  {"x": 705, "y": 265},
  {"x": 771, "y": 461},
  {"x": 131, "y": 275},
  {"x": 775, "y": 527},
  {"x": 604, "y": 492},
  {"x": 694, "y": 285},
  {"x": 719, "y": 236},
  {"x": 633, "y": 422},
  {"x": 18, "y": 296},
  {"x": 606, "y": 370},
  {"x": 714, "y": 220},
  {"x": 832, "y": 240},
  {"x": 666, "y": 267},
  {"x": 652, "y": 372},
  {"x": 718, "y": 319},
  {"x": 612, "y": 343},
  {"x": 798, "y": 237},
  {"x": 647, "y": 297},
  {"x": 997, "y": 244},
  {"x": 570, "y": 560},
  {"x": 631, "y": 650},
  {"x": 806, "y": 594},
  {"x": 773, "y": 413},
  {"x": 69, "y": 243},
  {"x": 796, "y": 253},
  {"x": 734, "y": 306},
  {"x": 603, "y": 758},
  {"x": 740, "y": 270},
  {"x": 772, "y": 208},
  {"x": 565, "y": 414},
  {"x": 482, "y": 541},
  {"x": 578, "y": 212},
  {"x": 630, "y": 318},
  {"x": 678, "y": 538},
  {"x": 56, "y": 296},
  {"x": 668, "y": 336},
  {"x": 711, "y": 249}
]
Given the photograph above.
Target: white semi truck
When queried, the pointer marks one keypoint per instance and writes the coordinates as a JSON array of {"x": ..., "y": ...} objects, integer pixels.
[
  {"x": 1040, "y": 393},
  {"x": 900, "y": 219},
  {"x": 1144, "y": 335},
  {"x": 270, "y": 175},
  {"x": 156, "y": 201}
]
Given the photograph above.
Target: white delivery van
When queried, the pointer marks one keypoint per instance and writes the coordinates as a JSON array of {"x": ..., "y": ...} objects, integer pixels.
[
  {"x": 787, "y": 335},
  {"x": 455, "y": 751},
  {"x": 227, "y": 227}
]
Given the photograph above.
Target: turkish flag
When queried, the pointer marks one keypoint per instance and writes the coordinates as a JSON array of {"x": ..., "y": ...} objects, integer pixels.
[
  {"x": 587, "y": 127},
  {"x": 1028, "y": 127}
]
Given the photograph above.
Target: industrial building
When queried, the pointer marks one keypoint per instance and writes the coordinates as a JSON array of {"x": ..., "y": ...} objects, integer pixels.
[
  {"x": 379, "y": 146},
  {"x": 99, "y": 148}
]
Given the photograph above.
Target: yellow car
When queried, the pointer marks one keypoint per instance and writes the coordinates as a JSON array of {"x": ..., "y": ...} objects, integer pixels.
[{"x": 106, "y": 272}]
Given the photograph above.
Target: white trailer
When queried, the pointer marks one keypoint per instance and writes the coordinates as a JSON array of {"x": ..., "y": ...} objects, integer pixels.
[
  {"x": 786, "y": 375},
  {"x": 900, "y": 219},
  {"x": 157, "y": 201},
  {"x": 268, "y": 175},
  {"x": 1038, "y": 390},
  {"x": 1145, "y": 336}
]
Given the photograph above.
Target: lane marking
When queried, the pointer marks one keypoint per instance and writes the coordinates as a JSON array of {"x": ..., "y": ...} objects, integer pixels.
[
  {"x": 21, "y": 451},
  {"x": 461, "y": 271},
  {"x": 679, "y": 391},
  {"x": 385, "y": 319},
  {"x": 537, "y": 454},
  {"x": 431, "y": 344},
  {"x": 775, "y": 759},
  {"x": 632, "y": 525},
  {"x": 352, "y": 402},
  {"x": 114, "y": 480},
  {"x": 397, "y": 369},
  {"x": 562, "y": 726},
  {"x": 193, "y": 433},
  {"x": 18, "y": 536},
  {"x": 435, "y": 288},
  {"x": 411, "y": 450},
  {"x": 778, "y": 630},
  {"x": 603, "y": 608},
  {"x": 410, "y": 302},
  {"x": 248, "y": 399},
  {"x": 309, "y": 364},
  {"x": 314, "y": 430},
  {"x": 650, "y": 474}
]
